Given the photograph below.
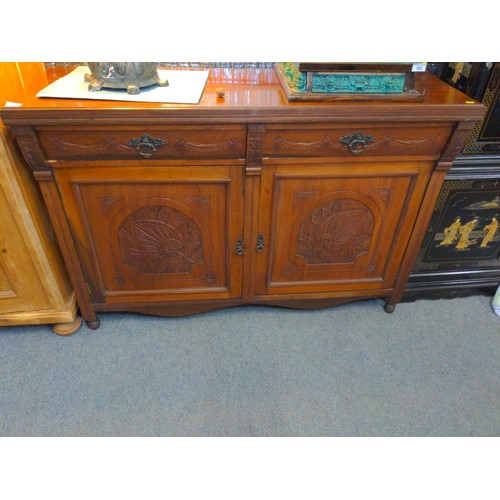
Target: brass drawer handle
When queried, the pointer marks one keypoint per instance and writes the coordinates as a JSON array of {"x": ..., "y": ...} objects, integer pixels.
[
  {"x": 356, "y": 142},
  {"x": 146, "y": 145}
]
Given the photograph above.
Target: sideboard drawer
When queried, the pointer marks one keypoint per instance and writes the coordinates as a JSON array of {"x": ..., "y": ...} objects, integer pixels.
[
  {"x": 356, "y": 140},
  {"x": 180, "y": 142}
]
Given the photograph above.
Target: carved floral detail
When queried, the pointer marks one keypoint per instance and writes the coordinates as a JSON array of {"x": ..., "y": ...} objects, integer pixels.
[
  {"x": 31, "y": 153},
  {"x": 413, "y": 142},
  {"x": 160, "y": 239},
  {"x": 108, "y": 203},
  {"x": 336, "y": 231},
  {"x": 181, "y": 146},
  {"x": 300, "y": 197},
  {"x": 289, "y": 145},
  {"x": 355, "y": 143},
  {"x": 107, "y": 146},
  {"x": 255, "y": 150},
  {"x": 384, "y": 194},
  {"x": 147, "y": 146},
  {"x": 202, "y": 201}
]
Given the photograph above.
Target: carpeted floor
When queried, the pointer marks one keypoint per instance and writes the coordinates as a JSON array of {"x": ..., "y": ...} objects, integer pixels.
[{"x": 432, "y": 368}]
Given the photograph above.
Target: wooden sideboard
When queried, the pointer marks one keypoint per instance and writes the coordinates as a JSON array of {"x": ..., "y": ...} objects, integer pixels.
[
  {"x": 34, "y": 285},
  {"x": 247, "y": 199}
]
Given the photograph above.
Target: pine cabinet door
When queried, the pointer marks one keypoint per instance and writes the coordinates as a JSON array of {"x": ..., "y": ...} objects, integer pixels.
[
  {"x": 148, "y": 234},
  {"x": 336, "y": 228},
  {"x": 21, "y": 290}
]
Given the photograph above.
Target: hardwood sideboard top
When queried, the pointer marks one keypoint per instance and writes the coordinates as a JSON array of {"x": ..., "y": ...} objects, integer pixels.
[{"x": 251, "y": 96}]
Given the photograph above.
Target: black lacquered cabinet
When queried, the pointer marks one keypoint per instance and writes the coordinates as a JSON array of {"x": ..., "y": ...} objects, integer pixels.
[{"x": 460, "y": 253}]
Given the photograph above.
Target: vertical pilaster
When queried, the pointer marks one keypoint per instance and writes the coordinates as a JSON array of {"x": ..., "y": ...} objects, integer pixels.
[
  {"x": 65, "y": 239},
  {"x": 455, "y": 145},
  {"x": 253, "y": 169}
]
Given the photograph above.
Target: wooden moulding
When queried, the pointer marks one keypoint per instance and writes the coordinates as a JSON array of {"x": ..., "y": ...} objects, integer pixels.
[{"x": 409, "y": 93}]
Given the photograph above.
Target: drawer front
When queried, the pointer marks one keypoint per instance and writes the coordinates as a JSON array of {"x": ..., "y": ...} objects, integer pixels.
[
  {"x": 180, "y": 142},
  {"x": 356, "y": 140}
]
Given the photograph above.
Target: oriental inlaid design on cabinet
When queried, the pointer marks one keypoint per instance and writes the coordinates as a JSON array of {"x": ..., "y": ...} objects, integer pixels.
[
  {"x": 468, "y": 227},
  {"x": 461, "y": 248},
  {"x": 250, "y": 199},
  {"x": 460, "y": 253}
]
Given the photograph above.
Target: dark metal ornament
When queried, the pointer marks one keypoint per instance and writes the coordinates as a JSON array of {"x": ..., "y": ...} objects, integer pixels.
[
  {"x": 240, "y": 248},
  {"x": 260, "y": 243},
  {"x": 146, "y": 145},
  {"x": 123, "y": 75},
  {"x": 356, "y": 142}
]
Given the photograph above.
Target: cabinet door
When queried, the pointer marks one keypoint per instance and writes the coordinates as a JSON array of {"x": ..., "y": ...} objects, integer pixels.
[
  {"x": 20, "y": 287},
  {"x": 336, "y": 228},
  {"x": 152, "y": 233}
]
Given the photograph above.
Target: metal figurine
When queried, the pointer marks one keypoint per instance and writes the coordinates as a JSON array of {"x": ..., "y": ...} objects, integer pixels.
[{"x": 123, "y": 75}]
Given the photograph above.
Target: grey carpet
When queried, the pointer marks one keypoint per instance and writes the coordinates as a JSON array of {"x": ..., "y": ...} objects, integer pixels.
[{"x": 429, "y": 369}]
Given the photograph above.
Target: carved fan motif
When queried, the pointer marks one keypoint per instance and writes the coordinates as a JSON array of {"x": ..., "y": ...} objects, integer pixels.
[
  {"x": 337, "y": 231},
  {"x": 159, "y": 239}
]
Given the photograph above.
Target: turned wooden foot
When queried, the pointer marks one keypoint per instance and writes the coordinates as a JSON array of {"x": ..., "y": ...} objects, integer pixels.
[
  {"x": 65, "y": 329},
  {"x": 389, "y": 308},
  {"x": 94, "y": 324}
]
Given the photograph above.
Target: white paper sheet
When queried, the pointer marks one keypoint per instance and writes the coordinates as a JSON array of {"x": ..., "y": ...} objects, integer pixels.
[{"x": 185, "y": 87}]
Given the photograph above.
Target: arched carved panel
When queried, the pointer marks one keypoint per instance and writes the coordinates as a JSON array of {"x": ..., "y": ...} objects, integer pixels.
[
  {"x": 338, "y": 231},
  {"x": 160, "y": 239}
]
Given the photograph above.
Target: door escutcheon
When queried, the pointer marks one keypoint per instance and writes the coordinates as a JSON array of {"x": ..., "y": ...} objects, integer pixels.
[
  {"x": 239, "y": 246},
  {"x": 260, "y": 243}
]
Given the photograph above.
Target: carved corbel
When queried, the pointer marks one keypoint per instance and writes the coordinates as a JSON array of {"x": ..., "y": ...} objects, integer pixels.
[
  {"x": 31, "y": 150},
  {"x": 456, "y": 143}
]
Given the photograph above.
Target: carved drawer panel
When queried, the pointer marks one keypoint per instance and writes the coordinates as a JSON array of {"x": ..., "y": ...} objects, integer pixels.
[
  {"x": 356, "y": 140},
  {"x": 180, "y": 142}
]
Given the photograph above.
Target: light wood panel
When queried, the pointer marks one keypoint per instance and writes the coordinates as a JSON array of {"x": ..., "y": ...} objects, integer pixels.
[{"x": 34, "y": 285}]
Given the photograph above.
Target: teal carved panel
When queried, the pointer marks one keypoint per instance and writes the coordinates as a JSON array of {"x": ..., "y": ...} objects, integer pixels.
[{"x": 360, "y": 83}]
